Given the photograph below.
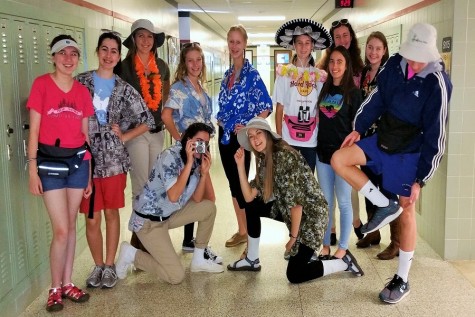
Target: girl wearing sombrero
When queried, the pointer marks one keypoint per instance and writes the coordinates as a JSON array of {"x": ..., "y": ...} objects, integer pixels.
[{"x": 298, "y": 85}]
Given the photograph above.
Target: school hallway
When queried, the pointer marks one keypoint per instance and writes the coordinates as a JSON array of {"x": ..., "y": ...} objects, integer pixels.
[{"x": 438, "y": 288}]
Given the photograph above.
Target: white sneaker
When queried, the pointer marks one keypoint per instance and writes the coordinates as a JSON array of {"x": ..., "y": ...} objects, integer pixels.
[
  {"x": 206, "y": 266},
  {"x": 125, "y": 260},
  {"x": 210, "y": 254}
]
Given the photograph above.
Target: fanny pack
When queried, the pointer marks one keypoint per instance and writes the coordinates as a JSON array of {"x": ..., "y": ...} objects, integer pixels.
[
  {"x": 395, "y": 135},
  {"x": 300, "y": 130},
  {"x": 58, "y": 162}
]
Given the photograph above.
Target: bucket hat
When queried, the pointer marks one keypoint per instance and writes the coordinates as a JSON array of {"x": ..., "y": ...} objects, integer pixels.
[
  {"x": 158, "y": 38},
  {"x": 420, "y": 45},
  {"x": 255, "y": 123},
  {"x": 286, "y": 33}
]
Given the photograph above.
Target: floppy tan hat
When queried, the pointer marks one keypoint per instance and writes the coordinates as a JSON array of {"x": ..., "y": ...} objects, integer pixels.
[
  {"x": 159, "y": 37},
  {"x": 255, "y": 123}
]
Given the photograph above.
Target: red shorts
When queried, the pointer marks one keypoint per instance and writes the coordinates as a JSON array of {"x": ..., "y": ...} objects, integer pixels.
[{"x": 108, "y": 193}]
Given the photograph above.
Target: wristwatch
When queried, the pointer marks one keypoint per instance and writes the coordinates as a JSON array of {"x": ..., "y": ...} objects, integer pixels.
[{"x": 420, "y": 182}]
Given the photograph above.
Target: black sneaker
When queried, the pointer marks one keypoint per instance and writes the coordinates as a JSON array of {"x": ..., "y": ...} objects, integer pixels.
[
  {"x": 395, "y": 290},
  {"x": 188, "y": 246},
  {"x": 210, "y": 254}
]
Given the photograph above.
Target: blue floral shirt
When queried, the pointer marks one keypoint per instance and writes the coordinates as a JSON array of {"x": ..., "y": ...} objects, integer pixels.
[
  {"x": 187, "y": 107},
  {"x": 153, "y": 200},
  {"x": 247, "y": 98}
]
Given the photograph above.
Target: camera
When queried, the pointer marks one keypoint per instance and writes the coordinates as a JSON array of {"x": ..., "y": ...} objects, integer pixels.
[{"x": 200, "y": 147}]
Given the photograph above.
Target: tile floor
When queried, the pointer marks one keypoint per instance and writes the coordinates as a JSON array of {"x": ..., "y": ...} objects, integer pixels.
[{"x": 438, "y": 288}]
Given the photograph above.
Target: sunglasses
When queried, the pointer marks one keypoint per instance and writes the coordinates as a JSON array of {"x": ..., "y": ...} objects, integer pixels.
[
  {"x": 112, "y": 32},
  {"x": 336, "y": 24},
  {"x": 191, "y": 44}
]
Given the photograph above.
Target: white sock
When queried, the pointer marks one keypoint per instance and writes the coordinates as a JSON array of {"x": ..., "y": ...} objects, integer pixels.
[
  {"x": 198, "y": 255},
  {"x": 405, "y": 261},
  {"x": 252, "y": 252},
  {"x": 253, "y": 248},
  {"x": 333, "y": 266},
  {"x": 374, "y": 195}
]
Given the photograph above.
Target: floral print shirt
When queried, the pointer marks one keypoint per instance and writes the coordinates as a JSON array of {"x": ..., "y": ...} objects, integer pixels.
[
  {"x": 153, "y": 200},
  {"x": 295, "y": 184},
  {"x": 247, "y": 98},
  {"x": 127, "y": 109},
  {"x": 187, "y": 107}
]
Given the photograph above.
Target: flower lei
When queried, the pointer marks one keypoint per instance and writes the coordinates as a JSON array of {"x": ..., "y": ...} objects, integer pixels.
[
  {"x": 151, "y": 101},
  {"x": 292, "y": 71}
]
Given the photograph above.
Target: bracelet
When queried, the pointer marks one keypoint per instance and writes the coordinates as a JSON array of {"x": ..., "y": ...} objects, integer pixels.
[
  {"x": 291, "y": 236},
  {"x": 31, "y": 159}
]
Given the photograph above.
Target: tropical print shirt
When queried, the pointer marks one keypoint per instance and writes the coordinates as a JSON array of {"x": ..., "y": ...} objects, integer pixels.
[
  {"x": 187, "y": 105},
  {"x": 153, "y": 200},
  {"x": 294, "y": 184},
  {"x": 244, "y": 100},
  {"x": 127, "y": 109}
]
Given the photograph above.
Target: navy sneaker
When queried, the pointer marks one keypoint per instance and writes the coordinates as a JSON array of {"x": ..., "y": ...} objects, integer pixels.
[
  {"x": 382, "y": 217},
  {"x": 395, "y": 290}
]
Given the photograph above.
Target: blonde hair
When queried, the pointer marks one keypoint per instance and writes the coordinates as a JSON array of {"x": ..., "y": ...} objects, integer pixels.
[
  {"x": 182, "y": 72},
  {"x": 238, "y": 28}
]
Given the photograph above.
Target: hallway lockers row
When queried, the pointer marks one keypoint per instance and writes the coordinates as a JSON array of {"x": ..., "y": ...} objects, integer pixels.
[{"x": 25, "y": 229}]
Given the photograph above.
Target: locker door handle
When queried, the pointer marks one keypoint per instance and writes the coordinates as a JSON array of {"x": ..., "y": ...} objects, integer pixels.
[
  {"x": 26, "y": 126},
  {"x": 9, "y": 130}
]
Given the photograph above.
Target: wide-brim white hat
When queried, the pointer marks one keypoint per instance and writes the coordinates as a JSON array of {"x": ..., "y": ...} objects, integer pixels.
[
  {"x": 286, "y": 33},
  {"x": 158, "y": 37},
  {"x": 420, "y": 45},
  {"x": 255, "y": 123}
]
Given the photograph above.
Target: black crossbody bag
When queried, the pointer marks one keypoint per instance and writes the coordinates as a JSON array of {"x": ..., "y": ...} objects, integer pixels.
[
  {"x": 395, "y": 135},
  {"x": 55, "y": 161}
]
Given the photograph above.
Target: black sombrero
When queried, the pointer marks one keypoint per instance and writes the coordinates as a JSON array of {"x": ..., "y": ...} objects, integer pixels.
[{"x": 285, "y": 35}]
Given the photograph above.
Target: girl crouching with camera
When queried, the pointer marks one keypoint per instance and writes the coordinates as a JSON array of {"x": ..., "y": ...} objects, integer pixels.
[{"x": 173, "y": 197}]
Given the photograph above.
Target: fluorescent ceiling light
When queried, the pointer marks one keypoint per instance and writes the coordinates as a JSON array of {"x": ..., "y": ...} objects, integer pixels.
[
  {"x": 262, "y": 18},
  {"x": 254, "y": 35},
  {"x": 201, "y": 11}
]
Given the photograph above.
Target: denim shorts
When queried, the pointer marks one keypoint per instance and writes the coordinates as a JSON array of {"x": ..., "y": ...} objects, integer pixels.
[
  {"x": 398, "y": 170},
  {"x": 78, "y": 179}
]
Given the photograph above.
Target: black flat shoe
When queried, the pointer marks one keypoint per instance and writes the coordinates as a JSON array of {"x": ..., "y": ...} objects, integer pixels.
[
  {"x": 333, "y": 238},
  {"x": 358, "y": 232}
]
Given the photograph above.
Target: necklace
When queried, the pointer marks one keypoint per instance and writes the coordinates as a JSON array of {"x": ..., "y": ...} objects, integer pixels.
[{"x": 144, "y": 80}]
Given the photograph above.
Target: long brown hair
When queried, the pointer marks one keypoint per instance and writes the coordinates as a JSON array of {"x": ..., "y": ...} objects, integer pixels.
[
  {"x": 380, "y": 36},
  {"x": 347, "y": 83},
  {"x": 181, "y": 71},
  {"x": 354, "y": 50},
  {"x": 266, "y": 158}
]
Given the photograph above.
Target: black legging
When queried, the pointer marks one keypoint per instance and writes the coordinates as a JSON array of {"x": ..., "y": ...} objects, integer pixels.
[
  {"x": 230, "y": 168},
  {"x": 299, "y": 268}
]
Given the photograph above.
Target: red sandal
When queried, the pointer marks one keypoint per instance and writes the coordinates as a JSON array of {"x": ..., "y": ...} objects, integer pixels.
[
  {"x": 74, "y": 293},
  {"x": 55, "y": 302}
]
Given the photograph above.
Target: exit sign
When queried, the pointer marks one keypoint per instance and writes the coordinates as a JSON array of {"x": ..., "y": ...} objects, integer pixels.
[{"x": 343, "y": 4}]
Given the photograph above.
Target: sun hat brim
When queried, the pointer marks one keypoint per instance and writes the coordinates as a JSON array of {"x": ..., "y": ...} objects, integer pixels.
[
  {"x": 158, "y": 37},
  {"x": 255, "y": 123},
  {"x": 419, "y": 54},
  {"x": 286, "y": 33}
]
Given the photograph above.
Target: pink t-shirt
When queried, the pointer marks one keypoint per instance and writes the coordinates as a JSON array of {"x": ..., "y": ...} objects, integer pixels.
[{"x": 61, "y": 113}]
